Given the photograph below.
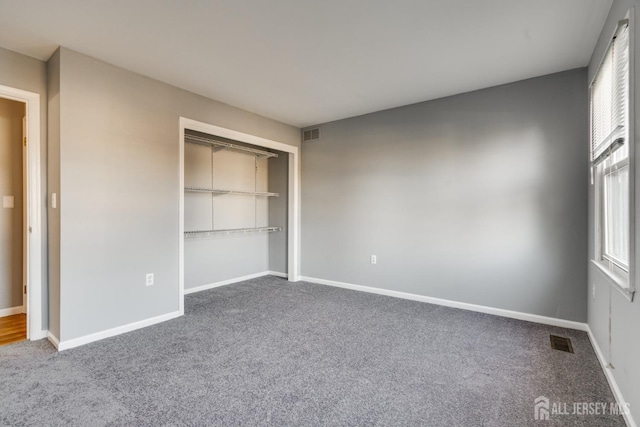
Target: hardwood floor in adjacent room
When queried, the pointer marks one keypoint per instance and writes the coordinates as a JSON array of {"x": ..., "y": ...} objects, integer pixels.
[{"x": 13, "y": 328}]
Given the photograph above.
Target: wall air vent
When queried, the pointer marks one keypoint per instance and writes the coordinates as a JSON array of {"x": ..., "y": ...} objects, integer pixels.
[{"x": 311, "y": 134}]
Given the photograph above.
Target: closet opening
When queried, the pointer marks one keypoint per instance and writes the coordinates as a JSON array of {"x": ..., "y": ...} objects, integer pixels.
[{"x": 239, "y": 208}]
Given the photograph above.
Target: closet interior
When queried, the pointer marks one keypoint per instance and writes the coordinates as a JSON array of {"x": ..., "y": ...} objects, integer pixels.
[{"x": 235, "y": 209}]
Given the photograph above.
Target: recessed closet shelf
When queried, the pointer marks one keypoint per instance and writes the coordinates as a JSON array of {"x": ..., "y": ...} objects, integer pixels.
[
  {"x": 196, "y": 233},
  {"x": 222, "y": 145},
  {"x": 218, "y": 191}
]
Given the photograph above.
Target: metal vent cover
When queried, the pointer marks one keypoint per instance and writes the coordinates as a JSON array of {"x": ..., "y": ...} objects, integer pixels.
[
  {"x": 311, "y": 134},
  {"x": 561, "y": 344}
]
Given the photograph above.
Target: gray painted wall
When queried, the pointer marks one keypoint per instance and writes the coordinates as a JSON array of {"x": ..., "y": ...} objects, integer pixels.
[
  {"x": 604, "y": 300},
  {"x": 278, "y": 212},
  {"x": 22, "y": 72},
  {"x": 479, "y": 198},
  {"x": 11, "y": 219},
  {"x": 119, "y": 190}
]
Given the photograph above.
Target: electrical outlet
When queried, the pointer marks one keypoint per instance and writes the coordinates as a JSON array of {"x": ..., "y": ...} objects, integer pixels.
[
  {"x": 593, "y": 291},
  {"x": 149, "y": 279},
  {"x": 374, "y": 259}
]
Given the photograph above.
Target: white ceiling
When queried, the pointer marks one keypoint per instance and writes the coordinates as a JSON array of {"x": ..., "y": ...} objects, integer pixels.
[{"x": 306, "y": 62}]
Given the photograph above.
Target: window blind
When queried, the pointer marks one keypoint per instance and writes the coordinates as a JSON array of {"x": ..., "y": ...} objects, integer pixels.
[{"x": 610, "y": 98}]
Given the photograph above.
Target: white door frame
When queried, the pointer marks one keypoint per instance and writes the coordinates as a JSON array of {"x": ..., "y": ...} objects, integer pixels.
[
  {"x": 34, "y": 209},
  {"x": 293, "y": 242}
]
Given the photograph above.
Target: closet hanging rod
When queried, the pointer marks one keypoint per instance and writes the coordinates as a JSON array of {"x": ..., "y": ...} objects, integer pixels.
[
  {"x": 193, "y": 139},
  {"x": 218, "y": 191},
  {"x": 231, "y": 230}
]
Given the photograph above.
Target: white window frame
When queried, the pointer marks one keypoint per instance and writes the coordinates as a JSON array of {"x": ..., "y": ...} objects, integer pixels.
[
  {"x": 622, "y": 277},
  {"x": 618, "y": 268}
]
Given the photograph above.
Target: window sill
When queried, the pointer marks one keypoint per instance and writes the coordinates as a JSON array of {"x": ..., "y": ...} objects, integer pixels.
[{"x": 621, "y": 284}]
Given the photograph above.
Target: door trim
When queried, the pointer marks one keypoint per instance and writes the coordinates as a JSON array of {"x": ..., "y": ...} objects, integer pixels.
[{"x": 35, "y": 331}]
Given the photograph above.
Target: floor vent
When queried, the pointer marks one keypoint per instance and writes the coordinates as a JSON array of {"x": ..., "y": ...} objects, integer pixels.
[
  {"x": 561, "y": 344},
  {"x": 311, "y": 134}
]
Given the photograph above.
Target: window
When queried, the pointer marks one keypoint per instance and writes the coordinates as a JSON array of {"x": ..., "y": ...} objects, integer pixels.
[{"x": 610, "y": 152}]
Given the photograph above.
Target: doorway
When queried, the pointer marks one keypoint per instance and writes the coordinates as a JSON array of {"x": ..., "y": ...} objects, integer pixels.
[
  {"x": 13, "y": 319},
  {"x": 293, "y": 194},
  {"x": 20, "y": 235}
]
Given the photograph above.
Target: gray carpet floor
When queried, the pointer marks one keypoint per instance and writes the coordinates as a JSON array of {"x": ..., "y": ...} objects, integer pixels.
[{"x": 268, "y": 352}]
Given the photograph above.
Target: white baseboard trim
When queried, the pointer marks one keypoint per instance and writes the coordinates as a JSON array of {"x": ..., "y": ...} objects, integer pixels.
[
  {"x": 76, "y": 342},
  {"x": 53, "y": 340},
  {"x": 569, "y": 324},
  {"x": 278, "y": 274},
  {"x": 4, "y": 312},
  {"x": 611, "y": 379},
  {"x": 230, "y": 281}
]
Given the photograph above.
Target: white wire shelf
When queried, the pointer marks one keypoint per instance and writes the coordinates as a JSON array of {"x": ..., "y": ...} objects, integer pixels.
[
  {"x": 196, "y": 233},
  {"x": 218, "y": 191},
  {"x": 222, "y": 145}
]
